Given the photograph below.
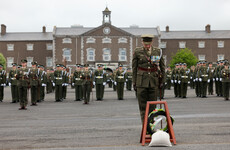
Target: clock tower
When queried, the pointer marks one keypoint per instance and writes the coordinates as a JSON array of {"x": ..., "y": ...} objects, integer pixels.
[{"x": 106, "y": 16}]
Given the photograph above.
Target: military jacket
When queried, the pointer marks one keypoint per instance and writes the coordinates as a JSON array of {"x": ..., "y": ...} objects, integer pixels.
[
  {"x": 12, "y": 77},
  {"x": 146, "y": 72},
  {"x": 77, "y": 78},
  {"x": 120, "y": 76},
  {"x": 129, "y": 76},
  {"x": 211, "y": 72},
  {"x": 2, "y": 76},
  {"x": 168, "y": 75},
  {"x": 49, "y": 77},
  {"x": 99, "y": 77},
  {"x": 33, "y": 76},
  {"x": 43, "y": 78},
  {"x": 203, "y": 73},
  {"x": 65, "y": 77},
  {"x": 23, "y": 77},
  {"x": 184, "y": 75},
  {"x": 87, "y": 77},
  {"x": 225, "y": 74},
  {"x": 58, "y": 77}
]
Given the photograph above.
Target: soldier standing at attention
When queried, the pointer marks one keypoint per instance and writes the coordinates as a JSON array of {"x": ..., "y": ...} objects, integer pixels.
[
  {"x": 49, "y": 82},
  {"x": 129, "y": 79},
  {"x": 65, "y": 82},
  {"x": 114, "y": 76},
  {"x": 148, "y": 69},
  {"x": 184, "y": 80},
  {"x": 100, "y": 82},
  {"x": 168, "y": 78},
  {"x": 211, "y": 77},
  {"x": 225, "y": 75},
  {"x": 174, "y": 79},
  {"x": 77, "y": 82},
  {"x": 2, "y": 82},
  {"x": 13, "y": 83},
  {"x": 43, "y": 83},
  {"x": 23, "y": 84},
  {"x": 58, "y": 81},
  {"x": 33, "y": 76},
  {"x": 120, "y": 80},
  {"x": 203, "y": 78},
  {"x": 87, "y": 84}
]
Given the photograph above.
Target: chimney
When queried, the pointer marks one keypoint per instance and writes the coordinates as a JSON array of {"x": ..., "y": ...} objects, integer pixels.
[
  {"x": 43, "y": 29},
  {"x": 167, "y": 28},
  {"x": 208, "y": 28},
  {"x": 3, "y": 29}
]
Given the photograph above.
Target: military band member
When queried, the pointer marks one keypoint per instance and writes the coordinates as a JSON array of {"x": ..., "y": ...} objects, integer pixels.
[
  {"x": 58, "y": 81},
  {"x": 185, "y": 77},
  {"x": 2, "y": 82},
  {"x": 225, "y": 75},
  {"x": 13, "y": 83},
  {"x": 77, "y": 82},
  {"x": 129, "y": 79},
  {"x": 99, "y": 82},
  {"x": 203, "y": 79},
  {"x": 23, "y": 84},
  {"x": 33, "y": 76},
  {"x": 43, "y": 83},
  {"x": 120, "y": 81},
  {"x": 87, "y": 84},
  {"x": 211, "y": 77},
  {"x": 148, "y": 69}
]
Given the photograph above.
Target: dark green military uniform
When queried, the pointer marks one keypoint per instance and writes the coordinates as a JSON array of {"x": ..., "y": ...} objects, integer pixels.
[
  {"x": 191, "y": 77},
  {"x": 49, "y": 82},
  {"x": 220, "y": 79},
  {"x": 203, "y": 78},
  {"x": 87, "y": 84},
  {"x": 168, "y": 78},
  {"x": 129, "y": 79},
  {"x": 77, "y": 82},
  {"x": 174, "y": 79},
  {"x": 179, "y": 80},
  {"x": 23, "y": 83},
  {"x": 13, "y": 83},
  {"x": 196, "y": 80},
  {"x": 185, "y": 77},
  {"x": 225, "y": 75},
  {"x": 2, "y": 82},
  {"x": 33, "y": 76},
  {"x": 109, "y": 79},
  {"x": 58, "y": 81},
  {"x": 43, "y": 83},
  {"x": 211, "y": 77},
  {"x": 99, "y": 81},
  {"x": 148, "y": 66},
  {"x": 120, "y": 81},
  {"x": 114, "y": 77},
  {"x": 65, "y": 82}
]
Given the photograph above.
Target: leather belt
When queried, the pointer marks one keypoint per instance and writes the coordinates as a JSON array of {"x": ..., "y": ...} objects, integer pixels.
[{"x": 148, "y": 69}]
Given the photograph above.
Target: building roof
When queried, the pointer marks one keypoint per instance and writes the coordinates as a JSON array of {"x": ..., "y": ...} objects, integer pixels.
[
  {"x": 26, "y": 36},
  {"x": 214, "y": 34}
]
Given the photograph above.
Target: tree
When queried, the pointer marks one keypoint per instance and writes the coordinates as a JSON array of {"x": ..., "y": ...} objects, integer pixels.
[
  {"x": 2, "y": 60},
  {"x": 184, "y": 56}
]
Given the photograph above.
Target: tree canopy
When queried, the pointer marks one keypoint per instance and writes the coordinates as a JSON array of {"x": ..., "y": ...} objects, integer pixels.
[{"x": 2, "y": 60}]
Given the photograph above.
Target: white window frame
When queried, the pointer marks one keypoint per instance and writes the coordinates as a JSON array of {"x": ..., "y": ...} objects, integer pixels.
[
  {"x": 66, "y": 40},
  {"x": 10, "y": 47},
  {"x": 122, "y": 40},
  {"x": 29, "y": 61},
  {"x": 201, "y": 57},
  {"x": 201, "y": 44},
  {"x": 90, "y": 40},
  {"x": 106, "y": 40},
  {"x": 30, "y": 47},
  {"x": 9, "y": 63},
  {"x": 120, "y": 55},
  {"x": 182, "y": 44},
  {"x": 89, "y": 55},
  {"x": 49, "y": 64},
  {"x": 220, "y": 44},
  {"x": 67, "y": 56},
  {"x": 163, "y": 45},
  {"x": 49, "y": 46},
  {"x": 220, "y": 57},
  {"x": 105, "y": 54}
]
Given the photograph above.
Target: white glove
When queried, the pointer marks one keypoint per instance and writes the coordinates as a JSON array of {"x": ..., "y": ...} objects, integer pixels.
[
  {"x": 104, "y": 83},
  {"x": 217, "y": 79},
  {"x": 53, "y": 84},
  {"x": 94, "y": 83},
  {"x": 115, "y": 83},
  {"x": 208, "y": 80},
  {"x": 196, "y": 79},
  {"x": 190, "y": 77},
  {"x": 72, "y": 84},
  {"x": 200, "y": 79},
  {"x": 171, "y": 81},
  {"x": 126, "y": 80},
  {"x": 9, "y": 84},
  {"x": 3, "y": 84},
  {"x": 213, "y": 79},
  {"x": 66, "y": 84},
  {"x": 220, "y": 79},
  {"x": 175, "y": 81},
  {"x": 179, "y": 82},
  {"x": 43, "y": 84},
  {"x": 188, "y": 82}
]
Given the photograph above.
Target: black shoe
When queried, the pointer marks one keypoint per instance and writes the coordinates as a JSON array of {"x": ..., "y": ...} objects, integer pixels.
[
  {"x": 98, "y": 99},
  {"x": 13, "y": 102},
  {"x": 184, "y": 97},
  {"x": 34, "y": 104},
  {"x": 85, "y": 103},
  {"x": 38, "y": 101}
]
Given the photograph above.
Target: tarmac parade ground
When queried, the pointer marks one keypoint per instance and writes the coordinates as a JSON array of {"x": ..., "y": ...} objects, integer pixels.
[{"x": 200, "y": 123}]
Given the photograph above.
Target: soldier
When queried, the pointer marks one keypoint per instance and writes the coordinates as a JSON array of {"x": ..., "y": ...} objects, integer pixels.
[
  {"x": 114, "y": 76},
  {"x": 13, "y": 83},
  {"x": 23, "y": 84},
  {"x": 99, "y": 82},
  {"x": 77, "y": 82},
  {"x": 87, "y": 84},
  {"x": 148, "y": 69},
  {"x": 65, "y": 82},
  {"x": 119, "y": 81},
  {"x": 216, "y": 78},
  {"x": 203, "y": 78},
  {"x": 109, "y": 79},
  {"x": 43, "y": 83},
  {"x": 2, "y": 82},
  {"x": 220, "y": 88},
  {"x": 58, "y": 81},
  {"x": 168, "y": 78},
  {"x": 196, "y": 80},
  {"x": 211, "y": 77},
  {"x": 129, "y": 79},
  {"x": 225, "y": 75},
  {"x": 179, "y": 80},
  {"x": 33, "y": 76},
  {"x": 49, "y": 82},
  {"x": 185, "y": 76},
  {"x": 174, "y": 79}
]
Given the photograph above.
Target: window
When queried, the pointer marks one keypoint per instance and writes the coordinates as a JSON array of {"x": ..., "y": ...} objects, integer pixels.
[
  {"x": 122, "y": 54},
  {"x": 10, "y": 60},
  {"x": 163, "y": 44},
  {"x": 182, "y": 44},
  {"x": 30, "y": 47},
  {"x": 201, "y": 44},
  {"x": 122, "y": 40},
  {"x": 220, "y": 44},
  {"x": 29, "y": 61},
  {"x": 67, "y": 40},
  {"x": 66, "y": 54},
  {"x": 49, "y": 46},
  {"x": 106, "y": 40},
  {"x": 10, "y": 47},
  {"x": 90, "y": 54},
  {"x": 220, "y": 57},
  {"x": 49, "y": 61},
  {"x": 106, "y": 54},
  {"x": 90, "y": 40},
  {"x": 201, "y": 57}
]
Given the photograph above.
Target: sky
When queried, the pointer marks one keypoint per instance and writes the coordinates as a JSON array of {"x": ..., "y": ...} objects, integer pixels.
[{"x": 31, "y": 15}]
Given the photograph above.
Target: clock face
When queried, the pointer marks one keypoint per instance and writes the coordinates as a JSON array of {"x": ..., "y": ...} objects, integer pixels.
[{"x": 106, "y": 30}]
